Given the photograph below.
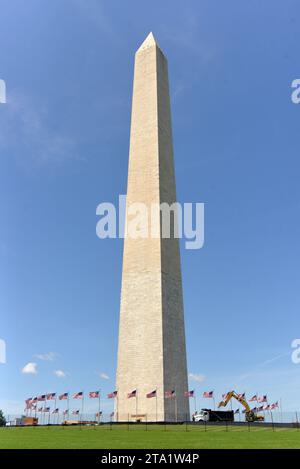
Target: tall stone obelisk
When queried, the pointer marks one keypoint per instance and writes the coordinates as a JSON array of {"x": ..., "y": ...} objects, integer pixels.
[{"x": 152, "y": 352}]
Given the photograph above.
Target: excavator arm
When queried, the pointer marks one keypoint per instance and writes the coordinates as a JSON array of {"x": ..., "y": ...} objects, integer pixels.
[
  {"x": 234, "y": 395},
  {"x": 250, "y": 415}
]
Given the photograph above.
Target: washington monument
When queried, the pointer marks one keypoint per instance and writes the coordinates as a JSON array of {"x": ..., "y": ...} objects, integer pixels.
[{"x": 152, "y": 352}]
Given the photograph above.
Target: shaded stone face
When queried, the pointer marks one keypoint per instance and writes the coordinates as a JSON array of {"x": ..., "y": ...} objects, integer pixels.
[{"x": 152, "y": 352}]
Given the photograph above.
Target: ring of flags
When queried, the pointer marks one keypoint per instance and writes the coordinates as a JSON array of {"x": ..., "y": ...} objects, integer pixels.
[{"x": 31, "y": 403}]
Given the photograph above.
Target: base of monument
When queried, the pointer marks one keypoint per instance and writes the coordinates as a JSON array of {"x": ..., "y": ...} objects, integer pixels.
[{"x": 149, "y": 419}]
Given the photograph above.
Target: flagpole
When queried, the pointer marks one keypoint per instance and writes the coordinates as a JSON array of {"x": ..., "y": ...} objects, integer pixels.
[
  {"x": 45, "y": 404},
  {"x": 256, "y": 405},
  {"x": 117, "y": 397},
  {"x": 195, "y": 402},
  {"x": 55, "y": 403},
  {"x": 156, "y": 403},
  {"x": 136, "y": 404},
  {"x": 176, "y": 417},
  {"x": 99, "y": 406},
  {"x": 82, "y": 404},
  {"x": 269, "y": 410}
]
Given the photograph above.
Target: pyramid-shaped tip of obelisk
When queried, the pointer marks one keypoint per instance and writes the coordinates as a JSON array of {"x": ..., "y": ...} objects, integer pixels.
[{"x": 150, "y": 41}]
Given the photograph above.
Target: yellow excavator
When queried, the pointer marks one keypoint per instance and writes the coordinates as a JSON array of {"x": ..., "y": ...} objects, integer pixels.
[{"x": 250, "y": 415}]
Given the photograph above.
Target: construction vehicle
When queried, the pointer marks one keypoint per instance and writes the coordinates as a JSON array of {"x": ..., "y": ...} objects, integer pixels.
[
  {"x": 209, "y": 415},
  {"x": 26, "y": 421},
  {"x": 249, "y": 414}
]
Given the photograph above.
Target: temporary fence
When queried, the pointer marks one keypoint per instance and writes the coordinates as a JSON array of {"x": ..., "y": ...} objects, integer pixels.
[{"x": 275, "y": 420}]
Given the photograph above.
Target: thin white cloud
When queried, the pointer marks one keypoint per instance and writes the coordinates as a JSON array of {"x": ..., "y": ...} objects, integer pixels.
[
  {"x": 104, "y": 376},
  {"x": 24, "y": 124},
  {"x": 191, "y": 36},
  {"x": 96, "y": 13},
  {"x": 177, "y": 91},
  {"x": 60, "y": 373},
  {"x": 197, "y": 377},
  {"x": 50, "y": 356},
  {"x": 274, "y": 359},
  {"x": 257, "y": 368},
  {"x": 30, "y": 369}
]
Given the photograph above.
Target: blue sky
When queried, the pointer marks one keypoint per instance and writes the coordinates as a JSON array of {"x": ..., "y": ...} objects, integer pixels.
[{"x": 64, "y": 136}]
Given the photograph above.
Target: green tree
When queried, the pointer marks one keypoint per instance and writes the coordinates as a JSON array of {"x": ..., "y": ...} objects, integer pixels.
[{"x": 2, "y": 419}]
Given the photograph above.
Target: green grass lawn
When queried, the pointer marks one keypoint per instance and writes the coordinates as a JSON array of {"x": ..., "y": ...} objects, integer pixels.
[{"x": 155, "y": 437}]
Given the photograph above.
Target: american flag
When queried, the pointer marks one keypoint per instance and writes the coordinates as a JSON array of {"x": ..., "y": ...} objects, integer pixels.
[
  {"x": 208, "y": 394},
  {"x": 189, "y": 393},
  {"x": 266, "y": 407},
  {"x": 254, "y": 409},
  {"x": 131, "y": 394},
  {"x": 55, "y": 411},
  {"x": 75, "y": 412},
  {"x": 40, "y": 409},
  {"x": 42, "y": 397},
  {"x": 237, "y": 411},
  {"x": 93, "y": 394},
  {"x": 51, "y": 396},
  {"x": 112, "y": 414},
  {"x": 28, "y": 403},
  {"x": 242, "y": 396},
  {"x": 35, "y": 399},
  {"x": 112, "y": 395},
  {"x": 46, "y": 409},
  {"x": 224, "y": 396},
  {"x": 65, "y": 412},
  {"x": 275, "y": 405},
  {"x": 151, "y": 394},
  {"x": 170, "y": 394},
  {"x": 98, "y": 414},
  {"x": 260, "y": 409},
  {"x": 262, "y": 399},
  {"x": 78, "y": 395},
  {"x": 253, "y": 398},
  {"x": 64, "y": 396}
]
